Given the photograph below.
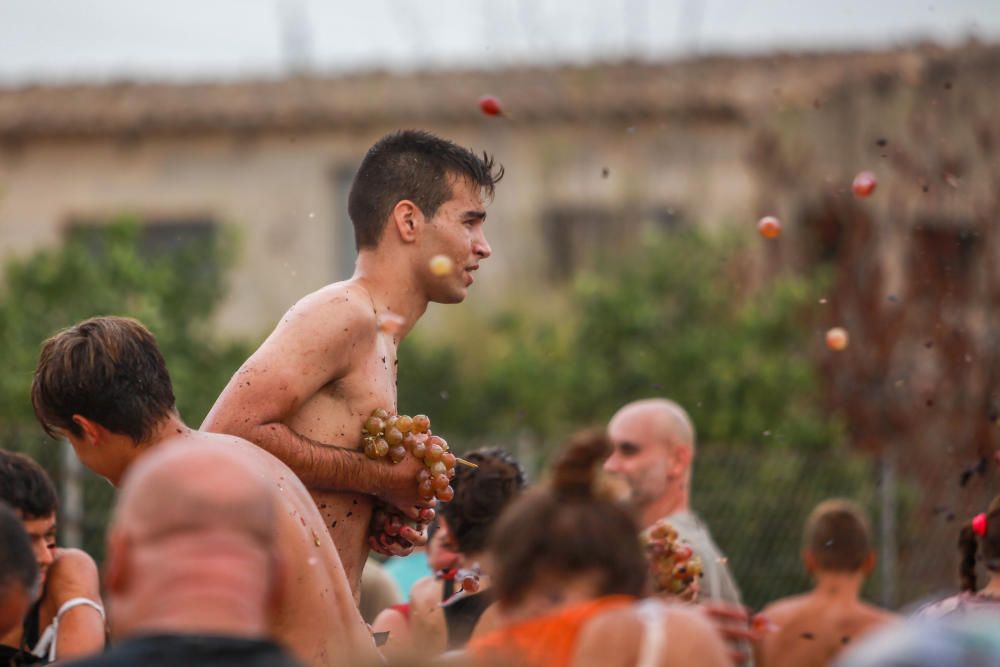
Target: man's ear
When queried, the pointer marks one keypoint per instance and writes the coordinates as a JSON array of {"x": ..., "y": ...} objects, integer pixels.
[
  {"x": 869, "y": 564},
  {"x": 407, "y": 219},
  {"x": 683, "y": 456},
  {"x": 92, "y": 431},
  {"x": 117, "y": 568},
  {"x": 809, "y": 560}
]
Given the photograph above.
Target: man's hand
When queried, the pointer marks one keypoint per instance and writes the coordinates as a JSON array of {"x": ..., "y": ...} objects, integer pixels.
[
  {"x": 392, "y": 535},
  {"x": 732, "y": 622},
  {"x": 399, "y": 488}
]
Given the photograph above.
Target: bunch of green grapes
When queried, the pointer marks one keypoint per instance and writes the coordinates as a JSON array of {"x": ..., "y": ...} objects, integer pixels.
[
  {"x": 672, "y": 563},
  {"x": 392, "y": 437}
]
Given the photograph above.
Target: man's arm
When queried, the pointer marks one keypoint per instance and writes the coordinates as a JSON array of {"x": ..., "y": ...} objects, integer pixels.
[
  {"x": 309, "y": 349},
  {"x": 81, "y": 629}
]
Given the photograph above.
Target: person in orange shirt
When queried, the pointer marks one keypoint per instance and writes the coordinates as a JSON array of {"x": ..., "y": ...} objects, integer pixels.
[{"x": 569, "y": 572}]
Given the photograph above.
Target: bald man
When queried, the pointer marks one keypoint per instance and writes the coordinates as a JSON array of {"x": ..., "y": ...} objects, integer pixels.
[
  {"x": 654, "y": 443},
  {"x": 104, "y": 386},
  {"x": 193, "y": 567}
]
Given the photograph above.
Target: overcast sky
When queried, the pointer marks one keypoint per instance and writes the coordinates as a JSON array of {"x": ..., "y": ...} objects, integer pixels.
[{"x": 52, "y": 40}]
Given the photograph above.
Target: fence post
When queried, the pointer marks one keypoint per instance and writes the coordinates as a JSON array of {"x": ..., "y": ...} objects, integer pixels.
[
  {"x": 887, "y": 516},
  {"x": 71, "y": 511}
]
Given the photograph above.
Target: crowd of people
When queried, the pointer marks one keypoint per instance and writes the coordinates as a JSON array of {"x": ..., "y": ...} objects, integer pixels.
[{"x": 245, "y": 542}]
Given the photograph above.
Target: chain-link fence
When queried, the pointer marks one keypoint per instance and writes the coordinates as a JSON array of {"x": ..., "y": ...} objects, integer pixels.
[{"x": 756, "y": 502}]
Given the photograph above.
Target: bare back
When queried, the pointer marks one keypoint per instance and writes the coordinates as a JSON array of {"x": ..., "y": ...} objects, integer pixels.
[
  {"x": 317, "y": 617},
  {"x": 812, "y": 629},
  {"x": 672, "y": 635},
  {"x": 306, "y": 392}
]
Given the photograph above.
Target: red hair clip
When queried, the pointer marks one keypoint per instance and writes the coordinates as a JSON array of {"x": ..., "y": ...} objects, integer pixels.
[{"x": 979, "y": 524}]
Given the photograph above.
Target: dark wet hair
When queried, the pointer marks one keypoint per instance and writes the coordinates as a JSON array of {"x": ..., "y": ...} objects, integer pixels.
[
  {"x": 414, "y": 165},
  {"x": 988, "y": 546},
  {"x": 26, "y": 487},
  {"x": 17, "y": 560},
  {"x": 569, "y": 528},
  {"x": 481, "y": 494},
  {"x": 838, "y": 535},
  {"x": 107, "y": 369}
]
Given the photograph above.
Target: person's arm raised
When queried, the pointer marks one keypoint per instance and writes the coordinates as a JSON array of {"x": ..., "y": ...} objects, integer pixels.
[{"x": 310, "y": 348}]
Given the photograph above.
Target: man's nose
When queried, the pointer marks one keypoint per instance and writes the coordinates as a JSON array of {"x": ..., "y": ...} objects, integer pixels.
[
  {"x": 481, "y": 247},
  {"x": 613, "y": 463},
  {"x": 43, "y": 554}
]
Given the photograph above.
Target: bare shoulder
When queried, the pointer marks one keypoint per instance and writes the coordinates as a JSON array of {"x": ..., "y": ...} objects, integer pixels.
[
  {"x": 877, "y": 616},
  {"x": 426, "y": 593},
  {"x": 785, "y": 608},
  {"x": 73, "y": 574},
  {"x": 345, "y": 303}
]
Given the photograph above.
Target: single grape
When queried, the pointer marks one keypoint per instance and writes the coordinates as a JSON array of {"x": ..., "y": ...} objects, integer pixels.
[
  {"x": 424, "y": 474},
  {"x": 451, "y": 473},
  {"x": 374, "y": 425},
  {"x": 409, "y": 441},
  {"x": 449, "y": 459},
  {"x": 421, "y": 423},
  {"x": 438, "y": 468},
  {"x": 381, "y": 413},
  {"x": 446, "y": 494},
  {"x": 382, "y": 447},
  {"x": 425, "y": 488},
  {"x": 683, "y": 553},
  {"x": 404, "y": 423},
  {"x": 439, "y": 482},
  {"x": 371, "y": 451},
  {"x": 419, "y": 449},
  {"x": 393, "y": 436},
  {"x": 397, "y": 453},
  {"x": 439, "y": 441},
  {"x": 390, "y": 422},
  {"x": 470, "y": 584},
  {"x": 434, "y": 453}
]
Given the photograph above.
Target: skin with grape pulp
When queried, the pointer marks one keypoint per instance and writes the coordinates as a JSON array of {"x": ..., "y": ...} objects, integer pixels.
[{"x": 305, "y": 394}]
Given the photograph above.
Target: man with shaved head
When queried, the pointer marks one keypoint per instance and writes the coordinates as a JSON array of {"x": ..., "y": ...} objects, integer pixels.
[
  {"x": 104, "y": 386},
  {"x": 193, "y": 565},
  {"x": 654, "y": 444}
]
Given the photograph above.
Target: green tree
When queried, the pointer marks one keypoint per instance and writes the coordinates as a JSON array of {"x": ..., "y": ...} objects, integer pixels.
[
  {"x": 676, "y": 319},
  {"x": 105, "y": 272}
]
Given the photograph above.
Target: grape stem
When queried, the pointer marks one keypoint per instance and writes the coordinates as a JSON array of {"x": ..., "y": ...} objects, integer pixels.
[{"x": 472, "y": 465}]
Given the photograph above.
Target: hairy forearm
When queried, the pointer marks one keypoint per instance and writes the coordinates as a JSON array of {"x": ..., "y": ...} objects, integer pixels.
[{"x": 319, "y": 466}]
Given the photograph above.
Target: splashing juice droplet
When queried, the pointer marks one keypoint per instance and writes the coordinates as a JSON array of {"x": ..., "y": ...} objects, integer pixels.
[
  {"x": 837, "y": 339},
  {"x": 441, "y": 265},
  {"x": 391, "y": 323},
  {"x": 769, "y": 227},
  {"x": 490, "y": 105},
  {"x": 864, "y": 184}
]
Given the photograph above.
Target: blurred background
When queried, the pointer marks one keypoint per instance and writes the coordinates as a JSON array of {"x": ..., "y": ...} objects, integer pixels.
[{"x": 187, "y": 163}]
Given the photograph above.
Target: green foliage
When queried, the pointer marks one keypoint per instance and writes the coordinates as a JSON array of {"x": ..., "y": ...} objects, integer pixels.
[
  {"x": 677, "y": 319},
  {"x": 104, "y": 273}
]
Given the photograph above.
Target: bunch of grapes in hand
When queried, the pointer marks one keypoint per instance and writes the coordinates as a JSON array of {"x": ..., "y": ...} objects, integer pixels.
[
  {"x": 673, "y": 565},
  {"x": 393, "y": 438}
]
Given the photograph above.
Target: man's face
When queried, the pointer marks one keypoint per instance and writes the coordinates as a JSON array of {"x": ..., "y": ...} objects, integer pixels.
[
  {"x": 456, "y": 232},
  {"x": 43, "y": 542},
  {"x": 642, "y": 462}
]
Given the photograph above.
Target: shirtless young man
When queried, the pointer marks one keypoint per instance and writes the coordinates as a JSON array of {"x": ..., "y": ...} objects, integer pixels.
[
  {"x": 810, "y": 630},
  {"x": 305, "y": 393},
  {"x": 104, "y": 386}
]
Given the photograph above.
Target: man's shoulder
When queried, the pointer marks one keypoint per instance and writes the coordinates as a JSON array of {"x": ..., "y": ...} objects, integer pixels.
[
  {"x": 72, "y": 574},
  {"x": 783, "y": 609}
]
